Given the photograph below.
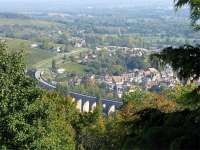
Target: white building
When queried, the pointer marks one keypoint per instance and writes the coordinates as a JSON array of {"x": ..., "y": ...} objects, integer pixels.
[{"x": 34, "y": 45}]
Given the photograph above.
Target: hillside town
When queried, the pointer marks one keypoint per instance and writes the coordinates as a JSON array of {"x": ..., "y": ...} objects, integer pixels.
[
  {"x": 147, "y": 79},
  {"x": 150, "y": 78},
  {"x": 126, "y": 50}
]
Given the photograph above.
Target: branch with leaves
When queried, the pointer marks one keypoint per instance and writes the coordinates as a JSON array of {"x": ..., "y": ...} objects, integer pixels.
[
  {"x": 194, "y": 10},
  {"x": 185, "y": 60}
]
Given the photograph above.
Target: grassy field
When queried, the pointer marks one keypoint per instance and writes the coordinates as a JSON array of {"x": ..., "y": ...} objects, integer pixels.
[
  {"x": 46, "y": 63},
  {"x": 18, "y": 45},
  {"x": 5, "y": 21},
  {"x": 73, "y": 67},
  {"x": 37, "y": 55},
  {"x": 39, "y": 58},
  {"x": 32, "y": 56}
]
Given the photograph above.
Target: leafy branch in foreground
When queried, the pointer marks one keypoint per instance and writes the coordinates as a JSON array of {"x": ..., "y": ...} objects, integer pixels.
[
  {"x": 31, "y": 118},
  {"x": 194, "y": 10},
  {"x": 185, "y": 60}
]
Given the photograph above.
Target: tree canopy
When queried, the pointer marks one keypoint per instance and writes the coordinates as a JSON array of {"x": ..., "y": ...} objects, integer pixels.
[
  {"x": 194, "y": 10},
  {"x": 185, "y": 60},
  {"x": 31, "y": 118}
]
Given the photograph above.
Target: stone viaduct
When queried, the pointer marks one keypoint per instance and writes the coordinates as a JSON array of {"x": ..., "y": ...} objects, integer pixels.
[
  {"x": 84, "y": 103},
  {"x": 87, "y": 103}
]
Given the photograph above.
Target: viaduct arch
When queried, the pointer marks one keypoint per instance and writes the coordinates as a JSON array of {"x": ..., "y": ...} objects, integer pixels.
[{"x": 84, "y": 103}]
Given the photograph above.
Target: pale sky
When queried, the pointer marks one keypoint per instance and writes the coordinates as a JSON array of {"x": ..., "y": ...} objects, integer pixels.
[
  {"x": 24, "y": 5},
  {"x": 141, "y": 2}
]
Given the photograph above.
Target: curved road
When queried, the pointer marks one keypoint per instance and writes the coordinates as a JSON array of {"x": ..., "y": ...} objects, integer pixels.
[{"x": 38, "y": 76}]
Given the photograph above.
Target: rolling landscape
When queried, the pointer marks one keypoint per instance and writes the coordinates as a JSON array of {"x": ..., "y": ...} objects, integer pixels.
[{"x": 99, "y": 75}]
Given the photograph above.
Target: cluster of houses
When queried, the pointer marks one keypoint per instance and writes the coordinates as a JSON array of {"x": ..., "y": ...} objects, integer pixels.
[
  {"x": 77, "y": 80},
  {"x": 38, "y": 45},
  {"x": 78, "y": 42},
  {"x": 131, "y": 51},
  {"x": 147, "y": 79},
  {"x": 86, "y": 58},
  {"x": 112, "y": 50},
  {"x": 75, "y": 42}
]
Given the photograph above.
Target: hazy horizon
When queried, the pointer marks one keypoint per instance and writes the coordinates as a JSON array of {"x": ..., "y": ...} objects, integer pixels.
[{"x": 64, "y": 5}]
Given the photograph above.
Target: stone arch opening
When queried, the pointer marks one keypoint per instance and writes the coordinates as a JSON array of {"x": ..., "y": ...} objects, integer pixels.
[
  {"x": 94, "y": 105},
  {"x": 111, "y": 110},
  {"x": 79, "y": 105},
  {"x": 104, "y": 106},
  {"x": 86, "y": 106}
]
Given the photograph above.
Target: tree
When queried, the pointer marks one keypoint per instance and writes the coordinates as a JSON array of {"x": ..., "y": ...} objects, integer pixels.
[
  {"x": 72, "y": 58},
  {"x": 68, "y": 47},
  {"x": 18, "y": 94},
  {"x": 90, "y": 129},
  {"x": 194, "y": 10},
  {"x": 65, "y": 57},
  {"x": 46, "y": 44},
  {"x": 53, "y": 65},
  {"x": 185, "y": 60},
  {"x": 57, "y": 116},
  {"x": 29, "y": 117}
]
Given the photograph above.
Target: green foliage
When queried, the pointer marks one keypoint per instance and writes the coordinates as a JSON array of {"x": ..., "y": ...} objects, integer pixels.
[
  {"x": 35, "y": 119},
  {"x": 89, "y": 88},
  {"x": 186, "y": 96},
  {"x": 53, "y": 65},
  {"x": 115, "y": 63},
  {"x": 153, "y": 121},
  {"x": 91, "y": 130},
  {"x": 46, "y": 44},
  {"x": 136, "y": 95},
  {"x": 31, "y": 118},
  {"x": 194, "y": 10},
  {"x": 153, "y": 129},
  {"x": 184, "y": 60},
  {"x": 73, "y": 67},
  {"x": 140, "y": 100},
  {"x": 136, "y": 62},
  {"x": 56, "y": 131},
  {"x": 31, "y": 55},
  {"x": 18, "y": 94}
]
